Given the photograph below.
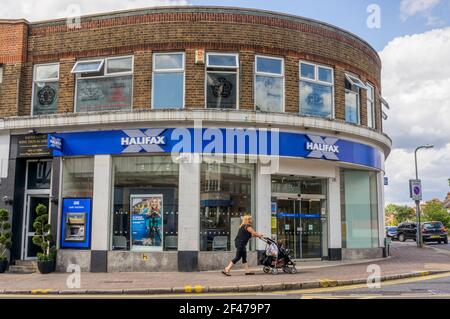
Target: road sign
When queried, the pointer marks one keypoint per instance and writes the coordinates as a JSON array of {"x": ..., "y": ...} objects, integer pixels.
[{"x": 415, "y": 189}]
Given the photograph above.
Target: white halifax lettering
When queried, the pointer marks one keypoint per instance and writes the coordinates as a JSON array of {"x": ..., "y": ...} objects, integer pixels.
[
  {"x": 144, "y": 140},
  {"x": 310, "y": 146}
]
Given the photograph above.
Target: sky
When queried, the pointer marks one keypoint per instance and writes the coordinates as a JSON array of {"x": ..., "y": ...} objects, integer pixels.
[{"x": 412, "y": 38}]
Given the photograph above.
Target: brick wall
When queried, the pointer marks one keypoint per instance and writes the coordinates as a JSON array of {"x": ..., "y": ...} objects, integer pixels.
[{"x": 141, "y": 33}]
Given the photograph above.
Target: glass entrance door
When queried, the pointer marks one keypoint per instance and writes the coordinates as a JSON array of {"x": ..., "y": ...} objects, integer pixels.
[
  {"x": 299, "y": 227},
  {"x": 30, "y": 250}
]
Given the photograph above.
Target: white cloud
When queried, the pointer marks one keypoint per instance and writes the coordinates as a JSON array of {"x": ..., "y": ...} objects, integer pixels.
[
  {"x": 416, "y": 82},
  {"x": 35, "y": 10},
  {"x": 410, "y": 8}
]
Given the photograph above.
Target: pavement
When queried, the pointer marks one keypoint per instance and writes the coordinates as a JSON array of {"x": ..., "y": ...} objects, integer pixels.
[{"x": 406, "y": 261}]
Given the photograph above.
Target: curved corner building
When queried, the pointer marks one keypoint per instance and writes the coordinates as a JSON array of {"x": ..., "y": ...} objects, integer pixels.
[{"x": 149, "y": 133}]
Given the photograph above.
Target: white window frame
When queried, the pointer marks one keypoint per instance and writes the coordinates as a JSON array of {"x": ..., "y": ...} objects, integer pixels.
[
  {"x": 155, "y": 70},
  {"x": 269, "y": 74},
  {"x": 105, "y": 75},
  {"x": 317, "y": 81},
  {"x": 370, "y": 100},
  {"x": 1, "y": 74},
  {"x": 102, "y": 62},
  {"x": 354, "y": 80},
  {"x": 49, "y": 80},
  {"x": 235, "y": 55},
  {"x": 216, "y": 69},
  {"x": 358, "y": 100}
]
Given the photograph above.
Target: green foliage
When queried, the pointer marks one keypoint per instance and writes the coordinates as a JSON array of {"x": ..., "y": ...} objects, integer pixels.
[
  {"x": 43, "y": 237},
  {"x": 434, "y": 210},
  {"x": 400, "y": 213},
  {"x": 5, "y": 233}
]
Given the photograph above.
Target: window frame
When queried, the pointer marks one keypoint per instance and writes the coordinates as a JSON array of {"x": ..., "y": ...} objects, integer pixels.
[
  {"x": 1, "y": 73},
  {"x": 355, "y": 81},
  {"x": 50, "y": 80},
  {"x": 226, "y": 70},
  {"x": 371, "y": 100},
  {"x": 317, "y": 81},
  {"x": 268, "y": 74},
  {"x": 358, "y": 100},
  {"x": 105, "y": 75},
  {"x": 87, "y": 61},
  {"x": 155, "y": 70},
  {"x": 235, "y": 55}
]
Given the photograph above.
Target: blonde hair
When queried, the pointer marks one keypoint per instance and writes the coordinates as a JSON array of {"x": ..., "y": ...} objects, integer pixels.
[{"x": 247, "y": 220}]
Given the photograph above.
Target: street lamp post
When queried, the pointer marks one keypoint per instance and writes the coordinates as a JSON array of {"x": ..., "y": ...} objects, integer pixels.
[{"x": 419, "y": 228}]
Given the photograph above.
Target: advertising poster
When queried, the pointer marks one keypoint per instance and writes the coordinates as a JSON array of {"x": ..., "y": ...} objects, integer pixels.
[{"x": 146, "y": 222}]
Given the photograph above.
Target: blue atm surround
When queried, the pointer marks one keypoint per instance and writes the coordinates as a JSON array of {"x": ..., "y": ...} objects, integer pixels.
[{"x": 76, "y": 206}]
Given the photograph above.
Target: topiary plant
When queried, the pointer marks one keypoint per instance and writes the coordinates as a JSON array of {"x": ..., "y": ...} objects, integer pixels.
[
  {"x": 43, "y": 237},
  {"x": 5, "y": 234}
]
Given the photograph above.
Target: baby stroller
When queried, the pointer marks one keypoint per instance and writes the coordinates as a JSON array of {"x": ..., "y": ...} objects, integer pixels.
[{"x": 276, "y": 257}]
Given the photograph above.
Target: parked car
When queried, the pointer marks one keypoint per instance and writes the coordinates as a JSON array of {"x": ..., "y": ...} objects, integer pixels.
[
  {"x": 407, "y": 230},
  {"x": 434, "y": 231},
  {"x": 391, "y": 232},
  {"x": 431, "y": 231}
]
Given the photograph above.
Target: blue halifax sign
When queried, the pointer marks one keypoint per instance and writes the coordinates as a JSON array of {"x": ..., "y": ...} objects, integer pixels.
[{"x": 261, "y": 142}]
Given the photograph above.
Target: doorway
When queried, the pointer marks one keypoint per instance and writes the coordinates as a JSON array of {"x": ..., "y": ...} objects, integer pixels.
[{"x": 298, "y": 225}]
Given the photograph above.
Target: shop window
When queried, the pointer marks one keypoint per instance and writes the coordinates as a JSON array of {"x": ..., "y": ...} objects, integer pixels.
[
  {"x": 222, "y": 80},
  {"x": 227, "y": 192},
  {"x": 145, "y": 203},
  {"x": 370, "y": 106},
  {"x": 316, "y": 90},
  {"x": 39, "y": 174},
  {"x": 104, "y": 84},
  {"x": 269, "y": 84},
  {"x": 45, "y": 88},
  {"x": 78, "y": 177},
  {"x": 168, "y": 81},
  {"x": 359, "y": 209}
]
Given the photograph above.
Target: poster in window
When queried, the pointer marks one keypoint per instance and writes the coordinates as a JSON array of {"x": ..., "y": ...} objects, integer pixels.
[
  {"x": 315, "y": 99},
  {"x": 45, "y": 99},
  {"x": 104, "y": 94},
  {"x": 221, "y": 90},
  {"x": 146, "y": 222}
]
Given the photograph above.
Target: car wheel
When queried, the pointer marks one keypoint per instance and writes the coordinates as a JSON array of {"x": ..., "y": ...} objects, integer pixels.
[{"x": 401, "y": 237}]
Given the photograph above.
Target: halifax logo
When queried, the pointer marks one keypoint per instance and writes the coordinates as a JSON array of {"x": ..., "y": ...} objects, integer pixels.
[
  {"x": 138, "y": 140},
  {"x": 322, "y": 147}
]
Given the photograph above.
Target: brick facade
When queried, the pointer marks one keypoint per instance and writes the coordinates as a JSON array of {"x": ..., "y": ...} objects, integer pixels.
[{"x": 141, "y": 32}]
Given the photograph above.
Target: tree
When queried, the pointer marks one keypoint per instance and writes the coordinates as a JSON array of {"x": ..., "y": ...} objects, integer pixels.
[
  {"x": 399, "y": 214},
  {"x": 5, "y": 233},
  {"x": 42, "y": 236},
  {"x": 434, "y": 210}
]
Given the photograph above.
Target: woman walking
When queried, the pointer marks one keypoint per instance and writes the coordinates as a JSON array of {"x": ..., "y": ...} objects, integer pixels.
[{"x": 244, "y": 234}]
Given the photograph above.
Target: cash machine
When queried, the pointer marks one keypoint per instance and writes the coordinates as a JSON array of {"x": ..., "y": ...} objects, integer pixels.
[{"x": 76, "y": 223}]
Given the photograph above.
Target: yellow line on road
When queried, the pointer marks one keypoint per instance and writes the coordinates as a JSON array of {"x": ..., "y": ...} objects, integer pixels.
[{"x": 201, "y": 294}]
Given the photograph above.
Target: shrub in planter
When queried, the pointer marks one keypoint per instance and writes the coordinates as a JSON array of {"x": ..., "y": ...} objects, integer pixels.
[
  {"x": 5, "y": 239},
  {"x": 42, "y": 238}
]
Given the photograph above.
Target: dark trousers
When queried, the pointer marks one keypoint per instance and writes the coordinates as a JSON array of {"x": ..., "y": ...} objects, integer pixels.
[{"x": 241, "y": 252}]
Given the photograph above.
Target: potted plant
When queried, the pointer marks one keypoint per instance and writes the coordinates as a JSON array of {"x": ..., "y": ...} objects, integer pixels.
[
  {"x": 43, "y": 238},
  {"x": 5, "y": 239}
]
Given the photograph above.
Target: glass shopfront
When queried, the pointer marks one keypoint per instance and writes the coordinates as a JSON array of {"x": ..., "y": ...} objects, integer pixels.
[
  {"x": 226, "y": 195},
  {"x": 145, "y": 203},
  {"x": 299, "y": 215}
]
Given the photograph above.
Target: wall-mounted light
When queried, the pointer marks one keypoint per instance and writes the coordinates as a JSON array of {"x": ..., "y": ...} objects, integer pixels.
[{"x": 7, "y": 200}]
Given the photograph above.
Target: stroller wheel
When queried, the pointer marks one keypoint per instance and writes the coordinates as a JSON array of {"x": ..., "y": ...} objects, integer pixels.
[
  {"x": 274, "y": 271},
  {"x": 286, "y": 269},
  {"x": 266, "y": 270},
  {"x": 293, "y": 270}
]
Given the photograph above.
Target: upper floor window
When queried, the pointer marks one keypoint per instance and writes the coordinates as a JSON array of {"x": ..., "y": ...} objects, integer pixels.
[
  {"x": 1, "y": 74},
  {"x": 269, "y": 84},
  {"x": 316, "y": 90},
  {"x": 370, "y": 105},
  {"x": 168, "y": 81},
  {"x": 222, "y": 80},
  {"x": 104, "y": 84},
  {"x": 45, "y": 88},
  {"x": 353, "y": 85}
]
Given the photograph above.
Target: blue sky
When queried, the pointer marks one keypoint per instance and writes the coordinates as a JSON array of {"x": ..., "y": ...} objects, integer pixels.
[{"x": 351, "y": 15}]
